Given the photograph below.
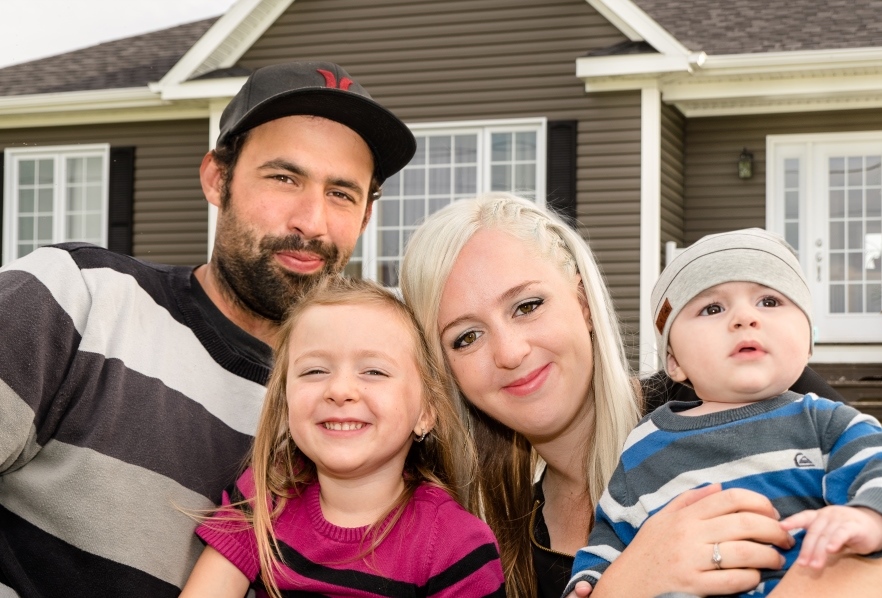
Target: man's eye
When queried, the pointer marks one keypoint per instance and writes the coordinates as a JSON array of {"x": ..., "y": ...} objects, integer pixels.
[
  {"x": 343, "y": 196},
  {"x": 465, "y": 339}
]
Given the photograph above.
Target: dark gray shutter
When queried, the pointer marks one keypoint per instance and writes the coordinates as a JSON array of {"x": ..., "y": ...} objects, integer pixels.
[
  {"x": 121, "y": 199},
  {"x": 560, "y": 168}
]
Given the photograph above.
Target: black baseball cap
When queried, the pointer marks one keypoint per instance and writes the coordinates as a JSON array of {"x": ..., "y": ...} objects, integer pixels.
[{"x": 320, "y": 89}]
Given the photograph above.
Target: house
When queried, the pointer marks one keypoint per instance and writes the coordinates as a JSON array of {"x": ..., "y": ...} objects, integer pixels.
[{"x": 646, "y": 121}]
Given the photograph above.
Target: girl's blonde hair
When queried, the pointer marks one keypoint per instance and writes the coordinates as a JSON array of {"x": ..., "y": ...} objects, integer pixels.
[
  {"x": 507, "y": 463},
  {"x": 445, "y": 458}
]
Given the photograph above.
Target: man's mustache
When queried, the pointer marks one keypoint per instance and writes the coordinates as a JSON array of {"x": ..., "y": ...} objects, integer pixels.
[{"x": 326, "y": 251}]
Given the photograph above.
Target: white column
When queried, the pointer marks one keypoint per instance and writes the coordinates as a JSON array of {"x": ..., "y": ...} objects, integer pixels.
[{"x": 650, "y": 218}]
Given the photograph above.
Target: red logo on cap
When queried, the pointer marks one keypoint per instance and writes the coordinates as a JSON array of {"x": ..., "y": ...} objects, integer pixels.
[{"x": 331, "y": 80}]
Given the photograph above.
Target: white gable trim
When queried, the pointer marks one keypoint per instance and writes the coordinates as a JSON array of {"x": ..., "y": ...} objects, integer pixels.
[
  {"x": 227, "y": 40},
  {"x": 638, "y": 26}
]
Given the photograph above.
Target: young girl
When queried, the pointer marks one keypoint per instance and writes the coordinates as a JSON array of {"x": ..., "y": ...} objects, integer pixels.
[{"x": 358, "y": 468}]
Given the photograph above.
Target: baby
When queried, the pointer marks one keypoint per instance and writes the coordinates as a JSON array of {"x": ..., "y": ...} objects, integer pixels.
[{"x": 733, "y": 315}]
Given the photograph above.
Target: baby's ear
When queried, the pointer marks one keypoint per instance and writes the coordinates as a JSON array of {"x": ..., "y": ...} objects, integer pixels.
[{"x": 674, "y": 370}]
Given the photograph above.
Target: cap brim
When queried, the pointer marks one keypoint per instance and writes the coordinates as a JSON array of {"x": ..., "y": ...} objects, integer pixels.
[{"x": 390, "y": 140}]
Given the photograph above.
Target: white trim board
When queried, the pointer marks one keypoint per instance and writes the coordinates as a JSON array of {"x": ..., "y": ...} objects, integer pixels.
[{"x": 650, "y": 220}]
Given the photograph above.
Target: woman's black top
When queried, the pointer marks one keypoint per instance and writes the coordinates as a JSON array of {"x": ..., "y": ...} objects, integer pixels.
[{"x": 553, "y": 568}]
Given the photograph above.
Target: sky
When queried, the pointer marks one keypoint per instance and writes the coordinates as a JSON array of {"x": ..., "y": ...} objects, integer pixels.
[{"x": 31, "y": 29}]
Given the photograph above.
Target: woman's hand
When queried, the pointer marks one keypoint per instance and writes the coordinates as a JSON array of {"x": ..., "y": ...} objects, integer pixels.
[{"x": 674, "y": 550}]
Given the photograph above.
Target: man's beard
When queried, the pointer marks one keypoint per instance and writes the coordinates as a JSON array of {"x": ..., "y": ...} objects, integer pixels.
[{"x": 251, "y": 276}]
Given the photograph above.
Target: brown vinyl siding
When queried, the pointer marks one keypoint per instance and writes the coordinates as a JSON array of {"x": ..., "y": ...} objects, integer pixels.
[
  {"x": 716, "y": 200},
  {"x": 673, "y": 126},
  {"x": 487, "y": 59},
  {"x": 170, "y": 212}
]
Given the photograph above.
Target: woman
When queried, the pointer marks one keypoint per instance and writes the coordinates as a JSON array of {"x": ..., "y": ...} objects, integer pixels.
[{"x": 516, "y": 305}]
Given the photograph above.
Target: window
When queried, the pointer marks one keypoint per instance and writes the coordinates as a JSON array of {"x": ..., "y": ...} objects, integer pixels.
[
  {"x": 452, "y": 162},
  {"x": 825, "y": 197},
  {"x": 55, "y": 194}
]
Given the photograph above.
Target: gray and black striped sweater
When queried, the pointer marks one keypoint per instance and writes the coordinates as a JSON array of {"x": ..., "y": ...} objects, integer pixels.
[{"x": 125, "y": 396}]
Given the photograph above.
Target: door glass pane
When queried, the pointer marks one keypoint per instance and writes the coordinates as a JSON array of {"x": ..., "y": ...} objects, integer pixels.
[
  {"x": 855, "y": 298},
  {"x": 873, "y": 250},
  {"x": 837, "y": 267},
  {"x": 837, "y": 172},
  {"x": 874, "y": 205},
  {"x": 837, "y": 298},
  {"x": 837, "y": 203},
  {"x": 874, "y": 298},
  {"x": 791, "y": 201},
  {"x": 855, "y": 241}
]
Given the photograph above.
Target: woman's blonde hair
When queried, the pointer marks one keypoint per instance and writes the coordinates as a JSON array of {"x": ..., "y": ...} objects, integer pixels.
[
  {"x": 445, "y": 458},
  {"x": 507, "y": 463}
]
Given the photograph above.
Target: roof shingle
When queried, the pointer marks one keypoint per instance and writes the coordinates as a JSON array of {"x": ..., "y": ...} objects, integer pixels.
[
  {"x": 130, "y": 62},
  {"x": 752, "y": 26}
]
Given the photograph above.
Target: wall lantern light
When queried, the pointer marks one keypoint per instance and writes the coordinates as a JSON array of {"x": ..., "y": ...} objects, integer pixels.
[{"x": 745, "y": 164}]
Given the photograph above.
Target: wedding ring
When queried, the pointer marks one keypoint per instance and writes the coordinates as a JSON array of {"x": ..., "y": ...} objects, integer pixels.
[{"x": 717, "y": 558}]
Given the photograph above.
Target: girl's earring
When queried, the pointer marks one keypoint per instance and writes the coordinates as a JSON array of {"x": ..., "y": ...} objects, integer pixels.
[{"x": 421, "y": 437}]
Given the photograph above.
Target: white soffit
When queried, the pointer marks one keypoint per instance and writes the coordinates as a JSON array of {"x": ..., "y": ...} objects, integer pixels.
[
  {"x": 746, "y": 83},
  {"x": 92, "y": 107}
]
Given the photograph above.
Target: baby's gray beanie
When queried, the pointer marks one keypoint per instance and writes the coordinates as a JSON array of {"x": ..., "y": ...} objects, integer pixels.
[{"x": 748, "y": 255}]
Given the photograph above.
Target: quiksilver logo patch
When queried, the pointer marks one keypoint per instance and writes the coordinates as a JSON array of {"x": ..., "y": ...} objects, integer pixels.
[{"x": 802, "y": 461}]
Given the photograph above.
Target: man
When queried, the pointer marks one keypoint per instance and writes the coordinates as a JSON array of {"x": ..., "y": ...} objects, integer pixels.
[{"x": 129, "y": 391}]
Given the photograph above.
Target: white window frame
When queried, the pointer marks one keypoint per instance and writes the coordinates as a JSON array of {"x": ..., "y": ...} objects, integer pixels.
[
  {"x": 804, "y": 147},
  {"x": 484, "y": 129},
  {"x": 59, "y": 154}
]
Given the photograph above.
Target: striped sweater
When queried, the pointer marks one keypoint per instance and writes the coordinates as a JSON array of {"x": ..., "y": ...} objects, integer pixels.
[
  {"x": 801, "y": 452},
  {"x": 435, "y": 549},
  {"x": 125, "y": 396}
]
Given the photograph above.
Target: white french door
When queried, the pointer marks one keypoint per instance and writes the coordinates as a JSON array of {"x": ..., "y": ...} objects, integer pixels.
[{"x": 825, "y": 197}]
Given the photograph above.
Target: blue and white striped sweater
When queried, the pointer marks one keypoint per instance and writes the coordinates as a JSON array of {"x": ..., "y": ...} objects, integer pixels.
[{"x": 802, "y": 452}]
